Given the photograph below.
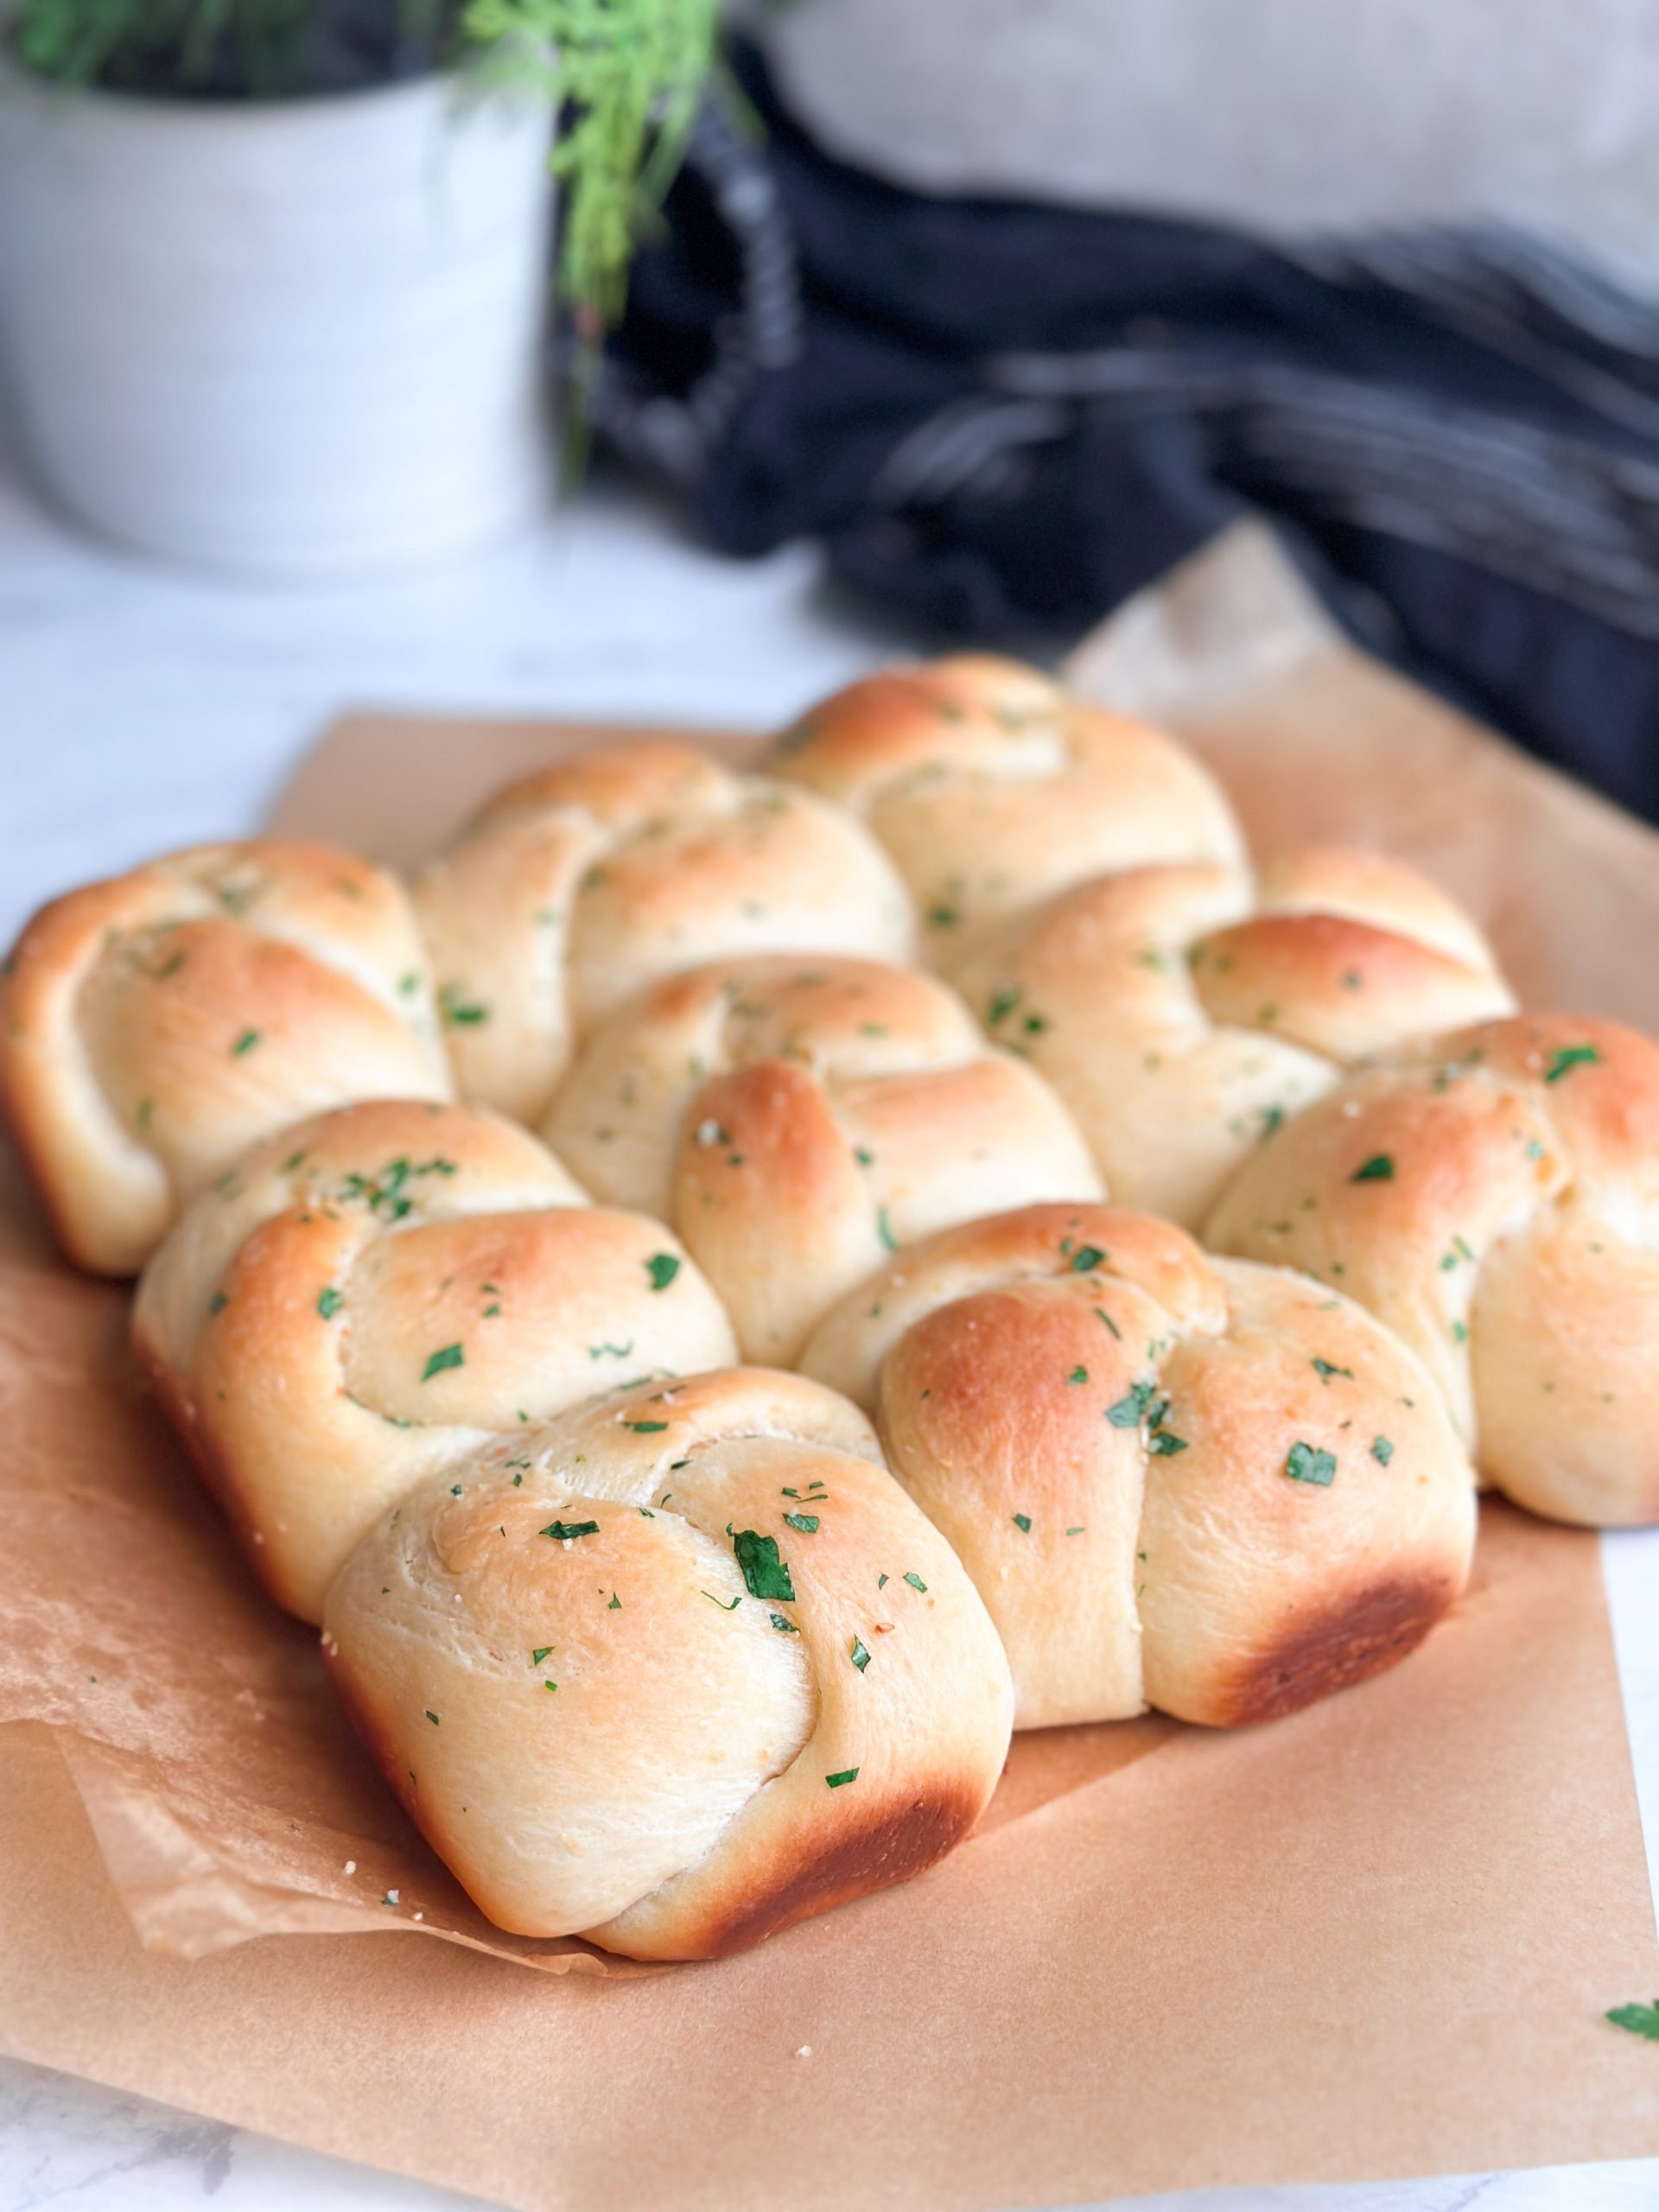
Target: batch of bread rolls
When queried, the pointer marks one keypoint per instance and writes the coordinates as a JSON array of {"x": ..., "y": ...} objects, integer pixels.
[{"x": 656, "y": 1289}]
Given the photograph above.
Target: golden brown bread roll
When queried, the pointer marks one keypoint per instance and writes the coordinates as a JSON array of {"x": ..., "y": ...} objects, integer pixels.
[
  {"x": 574, "y": 888},
  {"x": 154, "y": 1026},
  {"x": 1182, "y": 1013},
  {"x": 681, "y": 1668},
  {"x": 369, "y": 1293},
  {"x": 993, "y": 789},
  {"x": 1198, "y": 1484},
  {"x": 796, "y": 1119},
  {"x": 1493, "y": 1196}
]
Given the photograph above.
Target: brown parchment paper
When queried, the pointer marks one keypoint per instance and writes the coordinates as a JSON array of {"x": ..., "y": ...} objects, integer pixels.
[{"x": 1377, "y": 1939}]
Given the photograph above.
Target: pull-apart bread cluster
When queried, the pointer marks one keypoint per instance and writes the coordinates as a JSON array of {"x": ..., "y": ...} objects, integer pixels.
[{"x": 670, "y": 1652}]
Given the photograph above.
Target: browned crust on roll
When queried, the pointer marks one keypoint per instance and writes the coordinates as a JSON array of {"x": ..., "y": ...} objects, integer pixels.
[
  {"x": 877, "y": 1850},
  {"x": 1349, "y": 1640}
]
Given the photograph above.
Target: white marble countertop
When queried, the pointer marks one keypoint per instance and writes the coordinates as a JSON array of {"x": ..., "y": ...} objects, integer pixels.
[{"x": 141, "y": 709}]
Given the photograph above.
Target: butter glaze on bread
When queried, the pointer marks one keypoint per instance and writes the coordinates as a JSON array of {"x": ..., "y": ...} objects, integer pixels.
[
  {"x": 1182, "y": 1013},
  {"x": 798, "y": 1118},
  {"x": 609, "y": 1724},
  {"x": 573, "y": 889},
  {"x": 1493, "y": 1196},
  {"x": 154, "y": 1026},
  {"x": 370, "y": 1293},
  {"x": 1202, "y": 1486},
  {"x": 993, "y": 789}
]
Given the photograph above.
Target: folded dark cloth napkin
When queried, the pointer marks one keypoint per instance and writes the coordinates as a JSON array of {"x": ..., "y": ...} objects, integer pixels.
[{"x": 1002, "y": 417}]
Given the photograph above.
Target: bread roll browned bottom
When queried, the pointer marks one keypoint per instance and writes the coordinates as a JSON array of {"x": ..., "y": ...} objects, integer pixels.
[
  {"x": 1209, "y": 1487},
  {"x": 683, "y": 1667}
]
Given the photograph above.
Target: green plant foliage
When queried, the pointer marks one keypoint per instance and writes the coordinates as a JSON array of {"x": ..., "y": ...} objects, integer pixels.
[{"x": 629, "y": 75}]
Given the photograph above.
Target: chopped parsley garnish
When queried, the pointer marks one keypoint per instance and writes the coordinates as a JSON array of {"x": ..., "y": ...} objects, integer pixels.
[
  {"x": 721, "y": 1603},
  {"x": 765, "y": 1575},
  {"x": 1022, "y": 1521},
  {"x": 1086, "y": 1259},
  {"x": 839, "y": 1780},
  {"x": 943, "y": 917},
  {"x": 1568, "y": 1057},
  {"x": 437, "y": 1362},
  {"x": 1303, "y": 1464},
  {"x": 244, "y": 1043},
  {"x": 563, "y": 1532},
  {"x": 432, "y": 1716},
  {"x": 881, "y": 1581},
  {"x": 1382, "y": 1450},
  {"x": 784, "y": 1626},
  {"x": 1101, "y": 1314},
  {"x": 806, "y": 1522},
  {"x": 385, "y": 1193},
  {"x": 549, "y": 1685},
  {"x": 1077, "y": 1531},
  {"x": 1079, "y": 1375},
  {"x": 610, "y": 1351},
  {"x": 459, "y": 1013},
  {"x": 1003, "y": 1004},
  {"x": 329, "y": 1301},
  {"x": 1142, "y": 1403},
  {"x": 858, "y": 1655},
  {"x": 218, "y": 1302},
  {"x": 1324, "y": 1371},
  {"x": 662, "y": 1267},
  {"x": 1459, "y": 1332},
  {"x": 615, "y": 1605},
  {"x": 1379, "y": 1168},
  {"x": 863, "y": 1155},
  {"x": 539, "y": 1653},
  {"x": 915, "y": 1582},
  {"x": 1637, "y": 2019},
  {"x": 1163, "y": 1446},
  {"x": 646, "y": 1427},
  {"x": 884, "y": 1230}
]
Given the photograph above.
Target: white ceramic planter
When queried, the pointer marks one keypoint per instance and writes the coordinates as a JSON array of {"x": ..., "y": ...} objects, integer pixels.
[{"x": 295, "y": 338}]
